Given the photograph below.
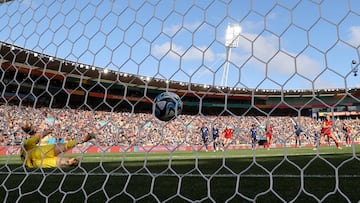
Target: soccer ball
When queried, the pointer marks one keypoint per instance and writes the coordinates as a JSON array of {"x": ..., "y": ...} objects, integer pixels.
[{"x": 167, "y": 106}]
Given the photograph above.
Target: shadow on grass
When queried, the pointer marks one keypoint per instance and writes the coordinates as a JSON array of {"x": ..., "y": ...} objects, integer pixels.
[{"x": 266, "y": 179}]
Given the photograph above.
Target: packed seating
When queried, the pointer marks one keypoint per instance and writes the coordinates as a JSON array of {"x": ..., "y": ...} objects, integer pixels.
[{"x": 124, "y": 128}]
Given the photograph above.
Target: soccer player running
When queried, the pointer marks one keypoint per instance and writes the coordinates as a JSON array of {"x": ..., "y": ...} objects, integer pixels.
[
  {"x": 253, "y": 133},
  {"x": 347, "y": 131},
  {"x": 269, "y": 136},
  {"x": 205, "y": 135},
  {"x": 228, "y": 134},
  {"x": 327, "y": 133},
  {"x": 298, "y": 133},
  {"x": 216, "y": 135},
  {"x": 34, "y": 155}
]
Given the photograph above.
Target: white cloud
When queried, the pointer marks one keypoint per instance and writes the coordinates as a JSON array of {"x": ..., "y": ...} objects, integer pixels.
[
  {"x": 161, "y": 50},
  {"x": 308, "y": 66},
  {"x": 189, "y": 54},
  {"x": 265, "y": 47},
  {"x": 252, "y": 26},
  {"x": 262, "y": 47},
  {"x": 171, "y": 30},
  {"x": 282, "y": 64},
  {"x": 355, "y": 36}
]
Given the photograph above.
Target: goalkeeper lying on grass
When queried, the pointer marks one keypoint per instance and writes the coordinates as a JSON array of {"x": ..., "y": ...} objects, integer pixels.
[{"x": 46, "y": 156}]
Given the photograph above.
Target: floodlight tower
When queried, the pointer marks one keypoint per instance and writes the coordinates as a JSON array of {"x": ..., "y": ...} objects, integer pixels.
[{"x": 231, "y": 41}]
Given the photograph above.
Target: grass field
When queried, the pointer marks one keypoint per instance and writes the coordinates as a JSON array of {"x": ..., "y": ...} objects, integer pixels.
[{"x": 277, "y": 175}]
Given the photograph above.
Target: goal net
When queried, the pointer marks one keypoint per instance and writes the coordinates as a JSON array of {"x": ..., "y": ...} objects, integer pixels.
[{"x": 269, "y": 93}]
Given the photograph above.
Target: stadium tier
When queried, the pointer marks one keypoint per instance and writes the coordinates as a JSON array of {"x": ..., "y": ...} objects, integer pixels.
[{"x": 26, "y": 74}]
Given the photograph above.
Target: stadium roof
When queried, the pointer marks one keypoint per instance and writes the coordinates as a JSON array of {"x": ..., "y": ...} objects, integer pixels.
[{"x": 18, "y": 55}]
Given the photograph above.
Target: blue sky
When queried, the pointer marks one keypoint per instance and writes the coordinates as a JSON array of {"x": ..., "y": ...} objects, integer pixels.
[{"x": 284, "y": 44}]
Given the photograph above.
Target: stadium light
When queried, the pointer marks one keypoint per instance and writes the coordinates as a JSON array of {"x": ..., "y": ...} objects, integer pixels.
[{"x": 231, "y": 41}]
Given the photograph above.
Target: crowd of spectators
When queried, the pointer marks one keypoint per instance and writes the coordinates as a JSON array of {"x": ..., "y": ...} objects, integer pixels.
[{"x": 124, "y": 128}]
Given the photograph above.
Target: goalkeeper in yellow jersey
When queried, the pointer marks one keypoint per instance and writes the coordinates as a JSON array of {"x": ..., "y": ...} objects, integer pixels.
[{"x": 46, "y": 156}]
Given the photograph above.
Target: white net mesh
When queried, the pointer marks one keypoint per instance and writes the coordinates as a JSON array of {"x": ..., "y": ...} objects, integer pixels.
[{"x": 94, "y": 67}]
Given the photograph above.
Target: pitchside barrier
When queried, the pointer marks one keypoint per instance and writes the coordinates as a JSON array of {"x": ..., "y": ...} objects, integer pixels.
[{"x": 15, "y": 150}]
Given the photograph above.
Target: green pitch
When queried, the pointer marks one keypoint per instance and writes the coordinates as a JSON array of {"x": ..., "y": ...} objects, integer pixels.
[{"x": 276, "y": 175}]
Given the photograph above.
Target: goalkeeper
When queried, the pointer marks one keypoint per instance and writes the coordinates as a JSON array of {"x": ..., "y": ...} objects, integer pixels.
[{"x": 46, "y": 156}]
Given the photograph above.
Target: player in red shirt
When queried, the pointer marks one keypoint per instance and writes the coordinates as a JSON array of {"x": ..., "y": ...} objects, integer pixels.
[
  {"x": 269, "y": 133},
  {"x": 228, "y": 134},
  {"x": 326, "y": 131}
]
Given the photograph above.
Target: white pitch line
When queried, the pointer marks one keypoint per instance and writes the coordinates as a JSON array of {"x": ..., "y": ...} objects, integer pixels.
[{"x": 192, "y": 175}]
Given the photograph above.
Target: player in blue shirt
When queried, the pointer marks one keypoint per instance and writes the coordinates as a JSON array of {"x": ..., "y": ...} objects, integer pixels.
[
  {"x": 216, "y": 135},
  {"x": 205, "y": 135},
  {"x": 316, "y": 138},
  {"x": 298, "y": 133},
  {"x": 253, "y": 133}
]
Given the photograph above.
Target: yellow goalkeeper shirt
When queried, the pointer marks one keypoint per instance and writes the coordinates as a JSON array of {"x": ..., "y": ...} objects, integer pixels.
[{"x": 36, "y": 156}]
